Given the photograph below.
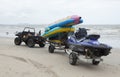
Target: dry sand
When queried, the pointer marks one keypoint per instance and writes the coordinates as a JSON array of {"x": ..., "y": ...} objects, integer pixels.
[{"x": 22, "y": 61}]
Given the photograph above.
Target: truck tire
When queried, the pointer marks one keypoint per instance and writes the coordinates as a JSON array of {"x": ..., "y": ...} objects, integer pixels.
[
  {"x": 17, "y": 41},
  {"x": 30, "y": 43},
  {"x": 41, "y": 44}
]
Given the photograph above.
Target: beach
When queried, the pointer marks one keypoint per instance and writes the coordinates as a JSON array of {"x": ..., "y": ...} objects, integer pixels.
[
  {"x": 22, "y": 61},
  {"x": 80, "y": 31}
]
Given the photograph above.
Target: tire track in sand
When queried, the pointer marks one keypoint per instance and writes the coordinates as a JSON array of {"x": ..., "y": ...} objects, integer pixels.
[{"x": 42, "y": 69}]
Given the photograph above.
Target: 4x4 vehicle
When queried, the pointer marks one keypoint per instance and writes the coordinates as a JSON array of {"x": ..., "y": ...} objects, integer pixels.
[{"x": 29, "y": 38}]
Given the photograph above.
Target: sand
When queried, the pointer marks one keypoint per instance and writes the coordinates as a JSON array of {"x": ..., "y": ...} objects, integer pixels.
[{"x": 22, "y": 61}]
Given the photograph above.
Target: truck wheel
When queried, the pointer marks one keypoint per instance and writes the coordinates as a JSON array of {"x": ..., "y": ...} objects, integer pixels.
[
  {"x": 17, "y": 41},
  {"x": 51, "y": 49},
  {"x": 41, "y": 44},
  {"x": 30, "y": 43},
  {"x": 73, "y": 58},
  {"x": 95, "y": 62}
]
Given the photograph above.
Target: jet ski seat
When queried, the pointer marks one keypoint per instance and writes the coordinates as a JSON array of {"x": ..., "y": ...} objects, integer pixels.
[
  {"x": 93, "y": 37},
  {"x": 82, "y": 32}
]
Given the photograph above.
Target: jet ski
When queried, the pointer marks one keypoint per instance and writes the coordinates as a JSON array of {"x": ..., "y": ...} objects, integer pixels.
[{"x": 86, "y": 45}]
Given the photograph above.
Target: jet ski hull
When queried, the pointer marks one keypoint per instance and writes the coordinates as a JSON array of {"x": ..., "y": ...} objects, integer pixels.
[{"x": 93, "y": 47}]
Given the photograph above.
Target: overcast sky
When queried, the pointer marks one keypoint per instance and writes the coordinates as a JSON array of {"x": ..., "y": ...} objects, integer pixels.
[{"x": 48, "y": 11}]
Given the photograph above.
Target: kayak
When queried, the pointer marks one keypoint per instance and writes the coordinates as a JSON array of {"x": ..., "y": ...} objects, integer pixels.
[
  {"x": 58, "y": 30},
  {"x": 65, "y": 25}
]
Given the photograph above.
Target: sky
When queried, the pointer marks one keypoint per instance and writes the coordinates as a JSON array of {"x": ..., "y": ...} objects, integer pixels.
[{"x": 48, "y": 11}]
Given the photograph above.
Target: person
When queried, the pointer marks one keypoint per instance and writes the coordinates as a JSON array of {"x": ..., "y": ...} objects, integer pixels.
[{"x": 40, "y": 32}]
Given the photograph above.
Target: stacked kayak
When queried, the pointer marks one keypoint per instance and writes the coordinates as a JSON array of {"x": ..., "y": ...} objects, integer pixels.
[{"x": 63, "y": 26}]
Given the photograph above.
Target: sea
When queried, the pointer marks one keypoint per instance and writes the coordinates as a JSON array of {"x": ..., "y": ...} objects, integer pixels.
[{"x": 109, "y": 34}]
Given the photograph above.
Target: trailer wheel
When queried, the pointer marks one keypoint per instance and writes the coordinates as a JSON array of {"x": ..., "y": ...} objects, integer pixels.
[
  {"x": 17, "y": 41},
  {"x": 95, "y": 62},
  {"x": 51, "y": 49},
  {"x": 73, "y": 58},
  {"x": 30, "y": 43},
  {"x": 41, "y": 44}
]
